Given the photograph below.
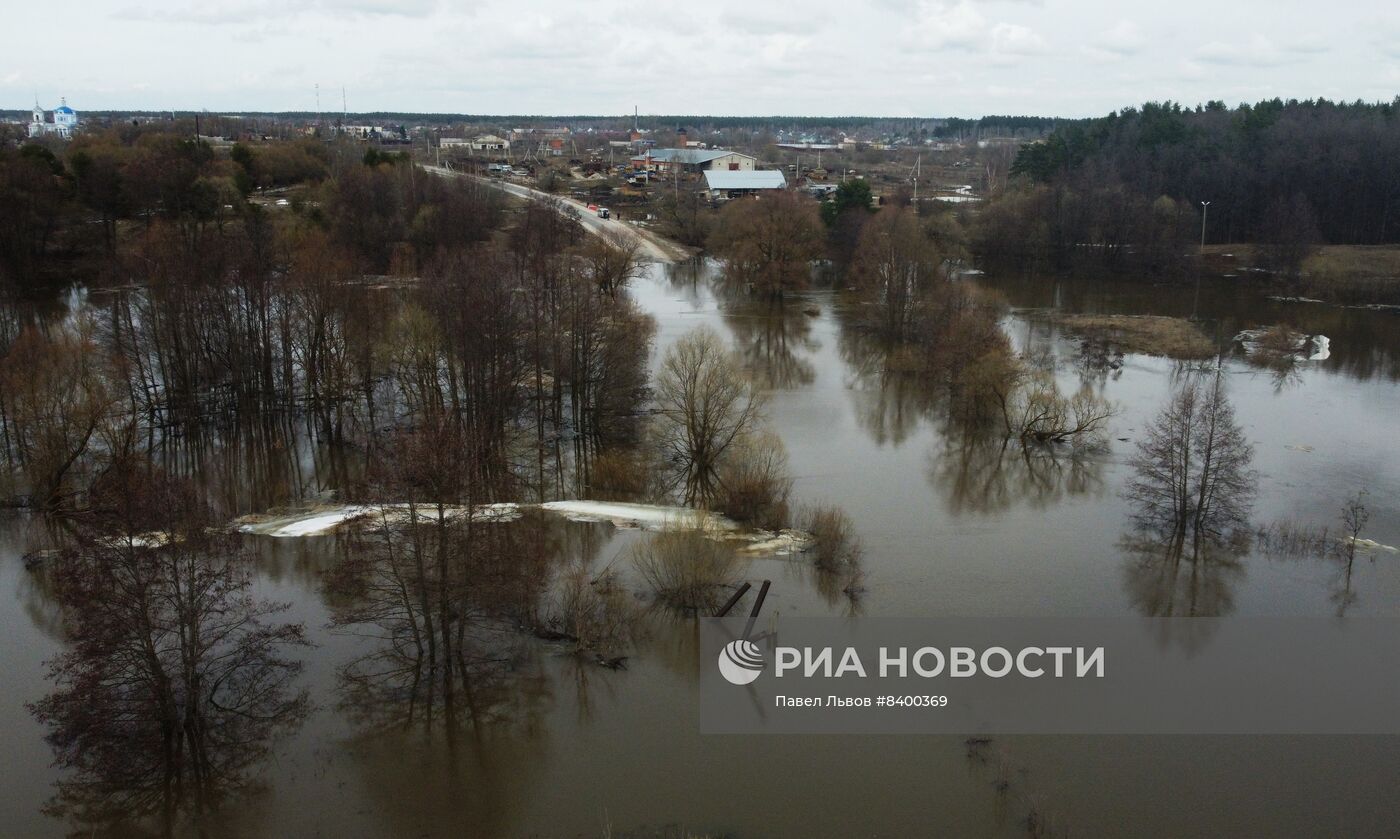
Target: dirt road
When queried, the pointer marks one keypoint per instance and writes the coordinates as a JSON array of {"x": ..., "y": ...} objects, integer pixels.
[{"x": 652, "y": 246}]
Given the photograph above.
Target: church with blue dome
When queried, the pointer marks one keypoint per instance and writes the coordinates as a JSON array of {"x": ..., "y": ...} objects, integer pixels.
[{"x": 62, "y": 120}]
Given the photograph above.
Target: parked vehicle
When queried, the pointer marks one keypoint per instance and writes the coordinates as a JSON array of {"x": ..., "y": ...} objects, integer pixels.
[{"x": 603, "y": 212}]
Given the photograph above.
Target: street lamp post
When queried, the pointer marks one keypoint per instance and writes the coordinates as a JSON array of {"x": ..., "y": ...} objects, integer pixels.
[{"x": 1205, "y": 209}]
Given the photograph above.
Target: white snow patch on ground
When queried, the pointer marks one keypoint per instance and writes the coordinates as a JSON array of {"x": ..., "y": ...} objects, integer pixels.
[
  {"x": 312, "y": 523},
  {"x": 1372, "y": 545},
  {"x": 782, "y": 542},
  {"x": 644, "y": 516},
  {"x": 323, "y": 520}
]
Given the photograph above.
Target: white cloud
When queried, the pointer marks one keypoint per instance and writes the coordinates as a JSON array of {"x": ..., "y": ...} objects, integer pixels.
[
  {"x": 933, "y": 57},
  {"x": 1258, "y": 51},
  {"x": 1121, "y": 40},
  {"x": 943, "y": 25},
  {"x": 1014, "y": 39}
]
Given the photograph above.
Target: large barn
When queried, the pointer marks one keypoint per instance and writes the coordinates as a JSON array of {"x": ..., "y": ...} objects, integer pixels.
[
  {"x": 726, "y": 184},
  {"x": 693, "y": 160}
]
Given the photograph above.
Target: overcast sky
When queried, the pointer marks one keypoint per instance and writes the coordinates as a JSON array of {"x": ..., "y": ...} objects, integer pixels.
[{"x": 744, "y": 57}]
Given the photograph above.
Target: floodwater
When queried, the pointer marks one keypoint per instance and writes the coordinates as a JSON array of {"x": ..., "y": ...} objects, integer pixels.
[{"x": 949, "y": 527}]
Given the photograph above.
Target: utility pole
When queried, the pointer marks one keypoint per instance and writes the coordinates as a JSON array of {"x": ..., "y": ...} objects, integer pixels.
[
  {"x": 318, "y": 107},
  {"x": 1201, "y": 258}
]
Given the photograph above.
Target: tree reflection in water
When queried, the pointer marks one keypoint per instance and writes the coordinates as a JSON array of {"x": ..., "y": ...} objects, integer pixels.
[
  {"x": 772, "y": 337},
  {"x": 176, "y": 681},
  {"x": 440, "y": 598},
  {"x": 889, "y": 404},
  {"x": 1165, "y": 580},
  {"x": 1192, "y": 489},
  {"x": 988, "y": 474}
]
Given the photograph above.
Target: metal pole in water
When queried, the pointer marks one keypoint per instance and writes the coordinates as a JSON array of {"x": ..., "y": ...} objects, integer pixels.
[
  {"x": 724, "y": 610},
  {"x": 757, "y": 607}
]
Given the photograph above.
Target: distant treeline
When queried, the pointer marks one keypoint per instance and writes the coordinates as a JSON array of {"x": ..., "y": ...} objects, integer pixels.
[
  {"x": 932, "y": 126},
  {"x": 1127, "y": 189}
]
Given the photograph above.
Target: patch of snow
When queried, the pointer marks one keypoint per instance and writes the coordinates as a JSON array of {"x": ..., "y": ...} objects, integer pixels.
[
  {"x": 1321, "y": 348},
  {"x": 314, "y": 523},
  {"x": 644, "y": 516},
  {"x": 651, "y": 517},
  {"x": 782, "y": 542},
  {"x": 1306, "y": 348},
  {"x": 1279, "y": 299},
  {"x": 1371, "y": 545},
  {"x": 500, "y": 511}
]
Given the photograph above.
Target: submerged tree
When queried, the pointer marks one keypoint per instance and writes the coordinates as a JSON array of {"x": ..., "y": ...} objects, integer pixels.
[
  {"x": 1193, "y": 477},
  {"x": 176, "y": 679},
  {"x": 895, "y": 266},
  {"x": 54, "y": 397},
  {"x": 768, "y": 243},
  {"x": 706, "y": 405}
]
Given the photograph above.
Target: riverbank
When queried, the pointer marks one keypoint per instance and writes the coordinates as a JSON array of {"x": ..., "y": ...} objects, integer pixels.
[{"x": 1349, "y": 275}]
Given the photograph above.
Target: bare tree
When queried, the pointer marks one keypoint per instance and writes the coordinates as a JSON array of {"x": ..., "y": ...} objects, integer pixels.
[
  {"x": 1040, "y": 413},
  {"x": 895, "y": 265},
  {"x": 768, "y": 244},
  {"x": 706, "y": 404},
  {"x": 1193, "y": 472},
  {"x": 56, "y": 396},
  {"x": 611, "y": 259},
  {"x": 1355, "y": 515},
  {"x": 177, "y": 679}
]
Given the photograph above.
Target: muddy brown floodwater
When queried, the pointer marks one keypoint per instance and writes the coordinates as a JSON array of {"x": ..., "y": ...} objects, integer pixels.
[{"x": 949, "y": 526}]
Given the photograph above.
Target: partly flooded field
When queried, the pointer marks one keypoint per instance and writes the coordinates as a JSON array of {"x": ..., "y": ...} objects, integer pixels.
[{"x": 951, "y": 524}]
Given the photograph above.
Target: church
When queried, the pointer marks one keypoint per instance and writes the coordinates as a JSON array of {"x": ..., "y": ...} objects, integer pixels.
[{"x": 61, "y": 120}]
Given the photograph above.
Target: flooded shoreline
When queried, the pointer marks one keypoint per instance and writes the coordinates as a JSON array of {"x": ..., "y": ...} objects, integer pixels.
[{"x": 950, "y": 524}]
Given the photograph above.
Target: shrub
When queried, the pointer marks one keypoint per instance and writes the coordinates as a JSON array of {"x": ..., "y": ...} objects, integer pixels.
[
  {"x": 754, "y": 482},
  {"x": 835, "y": 544},
  {"x": 595, "y": 612},
  {"x": 686, "y": 569}
]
